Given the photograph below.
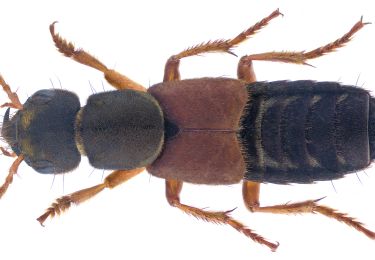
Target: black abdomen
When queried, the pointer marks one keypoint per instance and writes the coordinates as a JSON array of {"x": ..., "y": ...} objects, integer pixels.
[{"x": 305, "y": 131}]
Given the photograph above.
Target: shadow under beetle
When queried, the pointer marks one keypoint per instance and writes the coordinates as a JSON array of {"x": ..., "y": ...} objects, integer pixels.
[{"x": 215, "y": 131}]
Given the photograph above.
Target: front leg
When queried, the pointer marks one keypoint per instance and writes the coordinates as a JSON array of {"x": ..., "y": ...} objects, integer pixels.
[
  {"x": 112, "y": 180},
  {"x": 113, "y": 77}
]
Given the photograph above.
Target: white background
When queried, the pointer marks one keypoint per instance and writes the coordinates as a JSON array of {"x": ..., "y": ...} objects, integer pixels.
[{"x": 134, "y": 221}]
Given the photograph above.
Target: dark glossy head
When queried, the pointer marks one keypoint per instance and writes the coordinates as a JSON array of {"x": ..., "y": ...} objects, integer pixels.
[{"x": 43, "y": 131}]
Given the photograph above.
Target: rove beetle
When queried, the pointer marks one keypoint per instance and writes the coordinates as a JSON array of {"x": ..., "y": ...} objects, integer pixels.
[{"x": 214, "y": 131}]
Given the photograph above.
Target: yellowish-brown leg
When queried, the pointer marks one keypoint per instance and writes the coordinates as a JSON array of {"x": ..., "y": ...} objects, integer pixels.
[
  {"x": 114, "y": 179},
  {"x": 113, "y": 77},
  {"x": 250, "y": 193},
  {"x": 301, "y": 57},
  {"x": 173, "y": 189},
  {"x": 245, "y": 70},
  {"x": 172, "y": 72}
]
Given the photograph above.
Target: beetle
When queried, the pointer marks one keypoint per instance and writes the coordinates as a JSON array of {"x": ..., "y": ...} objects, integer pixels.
[{"x": 214, "y": 131}]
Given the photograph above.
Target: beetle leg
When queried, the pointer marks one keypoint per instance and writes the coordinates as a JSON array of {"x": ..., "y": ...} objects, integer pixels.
[
  {"x": 113, "y": 77},
  {"x": 245, "y": 70},
  {"x": 302, "y": 57},
  {"x": 171, "y": 71},
  {"x": 250, "y": 193},
  {"x": 173, "y": 189},
  {"x": 114, "y": 179}
]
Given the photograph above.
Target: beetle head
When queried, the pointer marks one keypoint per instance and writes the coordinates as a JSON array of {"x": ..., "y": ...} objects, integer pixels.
[{"x": 43, "y": 131}]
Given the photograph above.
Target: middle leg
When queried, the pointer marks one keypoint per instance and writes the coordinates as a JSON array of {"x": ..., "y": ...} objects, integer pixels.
[
  {"x": 173, "y": 189},
  {"x": 171, "y": 71}
]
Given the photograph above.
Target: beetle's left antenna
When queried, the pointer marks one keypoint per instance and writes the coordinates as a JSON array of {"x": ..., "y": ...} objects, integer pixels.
[
  {"x": 9, "y": 178},
  {"x": 14, "y": 103}
]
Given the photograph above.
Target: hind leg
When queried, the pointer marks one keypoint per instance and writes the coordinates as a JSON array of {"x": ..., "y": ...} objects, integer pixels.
[
  {"x": 245, "y": 69},
  {"x": 250, "y": 192}
]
